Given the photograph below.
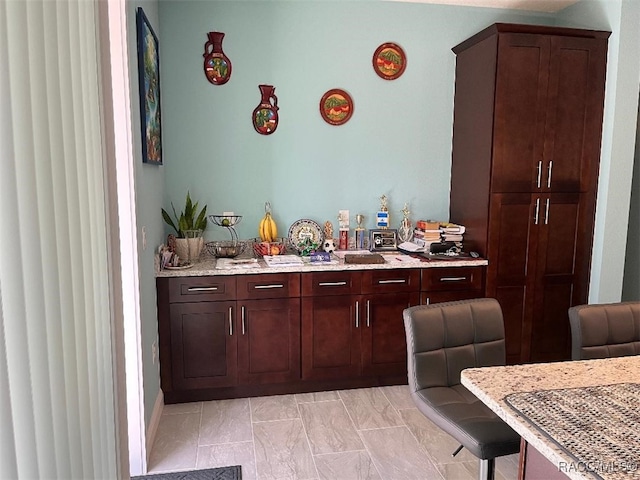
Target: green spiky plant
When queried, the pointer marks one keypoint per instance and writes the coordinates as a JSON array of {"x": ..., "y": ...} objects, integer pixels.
[{"x": 189, "y": 218}]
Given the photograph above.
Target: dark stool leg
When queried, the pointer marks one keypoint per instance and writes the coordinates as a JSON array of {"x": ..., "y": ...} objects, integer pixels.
[{"x": 487, "y": 469}]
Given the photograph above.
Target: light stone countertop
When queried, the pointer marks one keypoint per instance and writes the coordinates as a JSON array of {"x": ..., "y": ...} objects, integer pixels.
[
  {"x": 492, "y": 384},
  {"x": 207, "y": 266}
]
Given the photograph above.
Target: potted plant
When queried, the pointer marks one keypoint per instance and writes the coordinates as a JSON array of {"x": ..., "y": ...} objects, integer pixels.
[{"x": 188, "y": 226}]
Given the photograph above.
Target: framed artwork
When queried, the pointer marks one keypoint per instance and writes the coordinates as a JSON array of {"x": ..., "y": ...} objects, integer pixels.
[
  {"x": 389, "y": 61},
  {"x": 336, "y": 107},
  {"x": 149, "y": 86}
]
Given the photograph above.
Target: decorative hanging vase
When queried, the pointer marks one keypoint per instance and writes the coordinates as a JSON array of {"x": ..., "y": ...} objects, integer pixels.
[
  {"x": 217, "y": 66},
  {"x": 265, "y": 115}
]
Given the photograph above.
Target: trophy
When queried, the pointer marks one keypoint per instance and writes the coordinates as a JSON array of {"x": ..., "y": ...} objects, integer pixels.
[
  {"x": 405, "y": 232},
  {"x": 360, "y": 232}
]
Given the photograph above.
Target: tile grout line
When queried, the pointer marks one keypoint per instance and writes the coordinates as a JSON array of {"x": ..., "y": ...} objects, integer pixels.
[
  {"x": 355, "y": 427},
  {"x": 253, "y": 439},
  {"x": 199, "y": 433},
  {"x": 306, "y": 436}
]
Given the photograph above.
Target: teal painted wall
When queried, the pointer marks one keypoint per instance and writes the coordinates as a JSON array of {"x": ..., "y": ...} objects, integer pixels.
[
  {"x": 397, "y": 143},
  {"x": 149, "y": 187}
]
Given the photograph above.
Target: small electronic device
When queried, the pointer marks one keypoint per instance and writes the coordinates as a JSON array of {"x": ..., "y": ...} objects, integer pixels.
[{"x": 383, "y": 240}]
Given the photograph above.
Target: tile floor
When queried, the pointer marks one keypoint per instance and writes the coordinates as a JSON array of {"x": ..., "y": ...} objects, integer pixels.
[{"x": 370, "y": 433}]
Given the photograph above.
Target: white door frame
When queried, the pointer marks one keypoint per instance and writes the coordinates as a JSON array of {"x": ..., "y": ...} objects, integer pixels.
[{"x": 120, "y": 178}]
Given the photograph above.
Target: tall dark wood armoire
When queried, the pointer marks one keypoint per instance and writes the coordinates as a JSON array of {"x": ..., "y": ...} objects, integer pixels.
[{"x": 526, "y": 152}]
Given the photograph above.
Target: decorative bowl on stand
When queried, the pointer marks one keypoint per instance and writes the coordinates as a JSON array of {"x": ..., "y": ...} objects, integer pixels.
[{"x": 230, "y": 248}]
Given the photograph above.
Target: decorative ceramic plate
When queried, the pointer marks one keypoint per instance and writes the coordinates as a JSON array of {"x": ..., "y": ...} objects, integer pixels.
[
  {"x": 389, "y": 61},
  {"x": 336, "y": 107},
  {"x": 305, "y": 231}
]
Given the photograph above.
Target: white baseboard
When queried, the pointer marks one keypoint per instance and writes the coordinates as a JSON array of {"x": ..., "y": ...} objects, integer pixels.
[{"x": 154, "y": 421}]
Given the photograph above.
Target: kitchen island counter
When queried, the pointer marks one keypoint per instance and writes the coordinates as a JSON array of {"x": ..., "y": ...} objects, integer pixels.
[{"x": 497, "y": 387}]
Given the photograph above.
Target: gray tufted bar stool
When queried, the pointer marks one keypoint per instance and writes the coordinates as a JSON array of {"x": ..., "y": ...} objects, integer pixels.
[
  {"x": 605, "y": 330},
  {"x": 442, "y": 340}
]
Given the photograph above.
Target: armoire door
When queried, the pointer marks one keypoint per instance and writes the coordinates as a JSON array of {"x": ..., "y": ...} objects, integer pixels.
[
  {"x": 512, "y": 257},
  {"x": 574, "y": 114},
  {"x": 522, "y": 78},
  {"x": 561, "y": 279}
]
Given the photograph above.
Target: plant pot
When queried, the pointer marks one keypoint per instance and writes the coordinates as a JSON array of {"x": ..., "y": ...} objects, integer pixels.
[{"x": 189, "y": 249}]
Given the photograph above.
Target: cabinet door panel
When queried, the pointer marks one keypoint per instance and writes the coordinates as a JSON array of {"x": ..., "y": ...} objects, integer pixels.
[
  {"x": 556, "y": 276},
  {"x": 574, "y": 113},
  {"x": 330, "y": 337},
  {"x": 384, "y": 346},
  {"x": 521, "y": 86},
  {"x": 513, "y": 246},
  {"x": 269, "y": 341},
  {"x": 203, "y": 345}
]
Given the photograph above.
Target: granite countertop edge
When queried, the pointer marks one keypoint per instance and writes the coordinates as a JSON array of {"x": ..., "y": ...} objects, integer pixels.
[{"x": 207, "y": 267}]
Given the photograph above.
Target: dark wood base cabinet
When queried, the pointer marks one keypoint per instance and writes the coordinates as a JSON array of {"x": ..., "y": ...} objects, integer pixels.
[{"x": 250, "y": 335}]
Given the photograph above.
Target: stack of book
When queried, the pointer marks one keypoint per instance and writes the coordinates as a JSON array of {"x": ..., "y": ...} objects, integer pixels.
[
  {"x": 452, "y": 233},
  {"x": 427, "y": 231},
  {"x": 430, "y": 231}
]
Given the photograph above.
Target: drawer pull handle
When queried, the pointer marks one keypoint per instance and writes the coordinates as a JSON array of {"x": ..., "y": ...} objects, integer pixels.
[
  {"x": 394, "y": 280},
  {"x": 202, "y": 289},
  {"x": 331, "y": 284},
  {"x": 452, "y": 279},
  {"x": 230, "y": 321},
  {"x": 274, "y": 285}
]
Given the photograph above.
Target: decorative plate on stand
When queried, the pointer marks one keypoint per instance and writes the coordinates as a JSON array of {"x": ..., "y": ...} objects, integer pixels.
[{"x": 303, "y": 232}]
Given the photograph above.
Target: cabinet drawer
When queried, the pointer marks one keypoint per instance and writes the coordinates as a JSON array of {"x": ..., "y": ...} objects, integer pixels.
[
  {"x": 330, "y": 283},
  {"x": 391, "y": 281},
  {"x": 269, "y": 285},
  {"x": 452, "y": 278},
  {"x": 201, "y": 289}
]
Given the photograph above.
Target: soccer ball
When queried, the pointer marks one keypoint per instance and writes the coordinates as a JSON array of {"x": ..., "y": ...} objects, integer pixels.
[{"x": 329, "y": 245}]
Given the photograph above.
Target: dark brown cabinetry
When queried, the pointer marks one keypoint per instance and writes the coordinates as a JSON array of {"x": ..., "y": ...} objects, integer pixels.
[
  {"x": 269, "y": 328},
  {"x": 447, "y": 284},
  {"x": 230, "y": 336},
  {"x": 352, "y": 323},
  {"x": 215, "y": 334},
  {"x": 526, "y": 147}
]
